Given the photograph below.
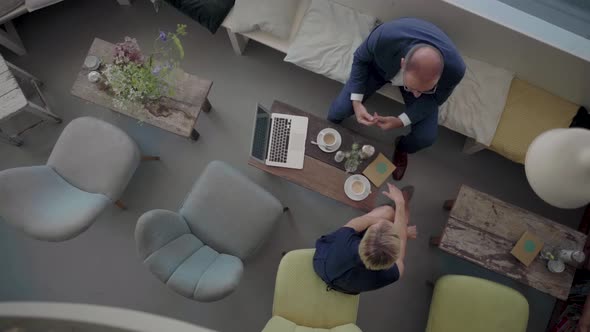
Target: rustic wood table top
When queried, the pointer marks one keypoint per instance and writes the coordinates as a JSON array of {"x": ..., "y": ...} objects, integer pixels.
[
  {"x": 177, "y": 112},
  {"x": 320, "y": 172},
  {"x": 483, "y": 230}
]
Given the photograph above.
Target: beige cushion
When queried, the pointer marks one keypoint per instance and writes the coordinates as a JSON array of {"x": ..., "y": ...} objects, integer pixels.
[
  {"x": 7, "y": 6},
  {"x": 529, "y": 111}
]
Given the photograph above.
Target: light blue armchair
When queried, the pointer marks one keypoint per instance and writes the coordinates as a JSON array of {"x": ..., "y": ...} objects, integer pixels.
[
  {"x": 88, "y": 169},
  {"x": 198, "y": 251}
]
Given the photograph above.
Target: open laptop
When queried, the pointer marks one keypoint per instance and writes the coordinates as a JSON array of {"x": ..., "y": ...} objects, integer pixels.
[{"x": 279, "y": 139}]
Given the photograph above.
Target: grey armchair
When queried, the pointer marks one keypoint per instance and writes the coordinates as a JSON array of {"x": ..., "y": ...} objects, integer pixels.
[
  {"x": 89, "y": 167},
  {"x": 198, "y": 251}
]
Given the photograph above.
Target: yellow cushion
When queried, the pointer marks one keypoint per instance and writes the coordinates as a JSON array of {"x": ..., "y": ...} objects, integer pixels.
[
  {"x": 467, "y": 304},
  {"x": 301, "y": 296},
  {"x": 279, "y": 324},
  {"x": 529, "y": 111}
]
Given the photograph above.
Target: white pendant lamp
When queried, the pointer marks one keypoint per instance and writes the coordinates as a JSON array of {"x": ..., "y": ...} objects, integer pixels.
[{"x": 557, "y": 167}]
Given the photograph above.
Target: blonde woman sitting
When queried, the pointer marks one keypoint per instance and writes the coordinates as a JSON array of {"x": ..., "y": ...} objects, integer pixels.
[{"x": 368, "y": 252}]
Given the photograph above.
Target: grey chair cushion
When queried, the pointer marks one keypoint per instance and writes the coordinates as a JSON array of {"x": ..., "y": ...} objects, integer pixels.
[
  {"x": 95, "y": 156},
  {"x": 229, "y": 212},
  {"x": 182, "y": 261},
  {"x": 42, "y": 204}
]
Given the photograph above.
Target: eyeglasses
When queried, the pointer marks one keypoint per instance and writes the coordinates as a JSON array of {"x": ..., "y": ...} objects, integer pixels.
[{"x": 429, "y": 92}]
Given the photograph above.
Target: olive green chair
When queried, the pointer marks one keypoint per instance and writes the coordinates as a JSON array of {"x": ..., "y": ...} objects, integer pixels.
[
  {"x": 303, "y": 304},
  {"x": 467, "y": 304}
]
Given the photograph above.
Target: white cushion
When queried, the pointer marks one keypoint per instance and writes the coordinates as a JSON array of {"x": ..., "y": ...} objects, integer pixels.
[
  {"x": 476, "y": 106},
  {"x": 328, "y": 37},
  {"x": 272, "y": 16}
]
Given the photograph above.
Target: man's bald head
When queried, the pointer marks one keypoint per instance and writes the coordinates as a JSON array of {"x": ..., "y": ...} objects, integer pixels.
[{"x": 425, "y": 64}]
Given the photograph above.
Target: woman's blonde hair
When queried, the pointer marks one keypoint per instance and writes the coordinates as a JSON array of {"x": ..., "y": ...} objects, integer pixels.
[{"x": 380, "y": 246}]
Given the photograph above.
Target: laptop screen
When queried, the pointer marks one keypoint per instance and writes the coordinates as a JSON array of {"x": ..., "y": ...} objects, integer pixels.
[{"x": 261, "y": 131}]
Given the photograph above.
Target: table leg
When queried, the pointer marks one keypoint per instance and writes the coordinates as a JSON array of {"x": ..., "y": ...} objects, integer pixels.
[
  {"x": 435, "y": 240},
  {"x": 195, "y": 135},
  {"x": 206, "y": 106},
  {"x": 448, "y": 205}
]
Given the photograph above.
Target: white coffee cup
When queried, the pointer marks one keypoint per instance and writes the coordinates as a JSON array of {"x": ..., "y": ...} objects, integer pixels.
[
  {"x": 328, "y": 139},
  {"x": 93, "y": 76},
  {"x": 358, "y": 187}
]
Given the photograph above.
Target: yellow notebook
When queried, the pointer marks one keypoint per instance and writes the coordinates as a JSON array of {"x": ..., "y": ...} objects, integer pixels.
[{"x": 379, "y": 170}]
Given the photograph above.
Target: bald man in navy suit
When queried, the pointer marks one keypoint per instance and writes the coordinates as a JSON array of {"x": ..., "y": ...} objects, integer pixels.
[{"x": 422, "y": 61}]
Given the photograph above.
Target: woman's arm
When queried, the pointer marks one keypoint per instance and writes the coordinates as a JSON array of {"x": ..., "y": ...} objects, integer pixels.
[{"x": 360, "y": 224}]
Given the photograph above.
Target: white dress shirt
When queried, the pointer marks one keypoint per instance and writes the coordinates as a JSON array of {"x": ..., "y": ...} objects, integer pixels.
[{"x": 397, "y": 80}]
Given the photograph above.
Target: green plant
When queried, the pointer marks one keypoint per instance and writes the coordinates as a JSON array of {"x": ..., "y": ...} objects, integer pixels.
[{"x": 133, "y": 80}]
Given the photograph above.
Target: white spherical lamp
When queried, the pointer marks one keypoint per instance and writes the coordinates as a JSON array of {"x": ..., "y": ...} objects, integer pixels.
[{"x": 557, "y": 167}]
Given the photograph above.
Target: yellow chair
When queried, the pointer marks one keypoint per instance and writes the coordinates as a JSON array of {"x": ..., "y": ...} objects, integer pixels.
[
  {"x": 302, "y": 303},
  {"x": 467, "y": 304}
]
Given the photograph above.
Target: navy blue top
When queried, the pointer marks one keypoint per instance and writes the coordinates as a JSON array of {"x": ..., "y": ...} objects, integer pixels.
[{"x": 338, "y": 263}]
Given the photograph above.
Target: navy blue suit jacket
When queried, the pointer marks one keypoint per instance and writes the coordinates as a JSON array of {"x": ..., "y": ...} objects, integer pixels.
[{"x": 383, "y": 50}]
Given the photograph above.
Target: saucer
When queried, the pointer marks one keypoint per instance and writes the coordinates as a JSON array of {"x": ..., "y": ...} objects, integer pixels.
[
  {"x": 348, "y": 190},
  {"x": 338, "y": 140}
]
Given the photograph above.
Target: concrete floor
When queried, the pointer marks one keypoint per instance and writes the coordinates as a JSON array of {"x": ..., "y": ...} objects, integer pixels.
[{"x": 101, "y": 265}]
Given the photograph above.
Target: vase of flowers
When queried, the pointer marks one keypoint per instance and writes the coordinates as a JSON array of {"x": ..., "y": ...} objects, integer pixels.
[
  {"x": 135, "y": 79},
  {"x": 353, "y": 158}
]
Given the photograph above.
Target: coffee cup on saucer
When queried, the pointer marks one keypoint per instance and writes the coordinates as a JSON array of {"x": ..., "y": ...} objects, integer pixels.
[
  {"x": 328, "y": 140},
  {"x": 357, "y": 187}
]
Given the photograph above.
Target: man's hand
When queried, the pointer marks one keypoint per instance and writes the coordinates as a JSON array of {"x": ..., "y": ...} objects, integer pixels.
[
  {"x": 395, "y": 195},
  {"x": 362, "y": 116},
  {"x": 388, "y": 122},
  {"x": 412, "y": 232}
]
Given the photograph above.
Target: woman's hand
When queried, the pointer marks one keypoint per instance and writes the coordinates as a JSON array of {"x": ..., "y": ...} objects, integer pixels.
[
  {"x": 412, "y": 232},
  {"x": 395, "y": 195}
]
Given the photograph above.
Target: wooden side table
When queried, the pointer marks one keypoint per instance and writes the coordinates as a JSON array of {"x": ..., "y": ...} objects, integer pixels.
[
  {"x": 13, "y": 99},
  {"x": 176, "y": 113},
  {"x": 483, "y": 230}
]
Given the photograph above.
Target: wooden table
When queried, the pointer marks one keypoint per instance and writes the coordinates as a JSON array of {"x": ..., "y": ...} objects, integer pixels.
[
  {"x": 483, "y": 230},
  {"x": 320, "y": 172},
  {"x": 177, "y": 112},
  {"x": 14, "y": 82}
]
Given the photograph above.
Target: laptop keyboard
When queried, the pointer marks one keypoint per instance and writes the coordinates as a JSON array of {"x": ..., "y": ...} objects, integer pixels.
[
  {"x": 281, "y": 131},
  {"x": 259, "y": 145}
]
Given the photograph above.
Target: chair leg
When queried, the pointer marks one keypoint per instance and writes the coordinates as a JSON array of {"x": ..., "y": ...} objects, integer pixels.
[
  {"x": 149, "y": 158},
  {"x": 43, "y": 112},
  {"x": 285, "y": 209},
  {"x": 11, "y": 40},
  {"x": 14, "y": 139},
  {"x": 121, "y": 205}
]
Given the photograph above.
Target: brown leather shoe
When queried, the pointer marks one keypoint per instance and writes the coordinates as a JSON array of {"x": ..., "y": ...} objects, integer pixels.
[{"x": 400, "y": 160}]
